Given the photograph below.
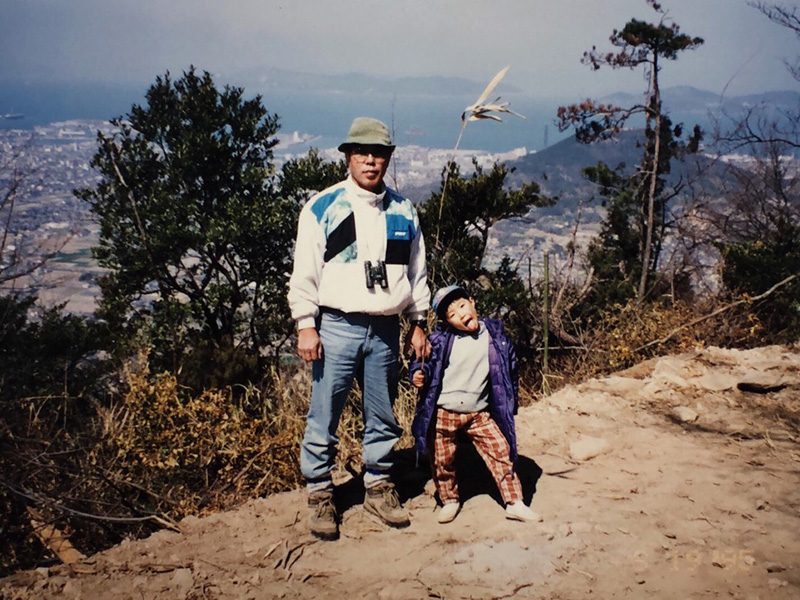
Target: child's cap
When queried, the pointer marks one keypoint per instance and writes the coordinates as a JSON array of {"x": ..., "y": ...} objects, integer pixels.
[{"x": 444, "y": 296}]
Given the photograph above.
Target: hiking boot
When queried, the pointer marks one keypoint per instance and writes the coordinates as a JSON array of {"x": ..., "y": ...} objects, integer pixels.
[
  {"x": 381, "y": 501},
  {"x": 322, "y": 519},
  {"x": 519, "y": 512}
]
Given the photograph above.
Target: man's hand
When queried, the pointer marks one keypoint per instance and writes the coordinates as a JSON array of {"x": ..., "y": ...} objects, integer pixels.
[
  {"x": 418, "y": 379},
  {"x": 309, "y": 346},
  {"x": 416, "y": 339}
]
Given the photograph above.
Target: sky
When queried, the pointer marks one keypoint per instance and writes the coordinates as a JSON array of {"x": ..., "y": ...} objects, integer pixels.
[{"x": 133, "y": 41}]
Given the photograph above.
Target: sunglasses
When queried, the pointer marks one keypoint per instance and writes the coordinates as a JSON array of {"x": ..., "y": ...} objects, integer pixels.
[{"x": 378, "y": 152}]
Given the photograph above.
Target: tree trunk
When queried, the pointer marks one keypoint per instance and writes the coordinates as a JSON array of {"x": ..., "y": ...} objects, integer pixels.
[{"x": 651, "y": 193}]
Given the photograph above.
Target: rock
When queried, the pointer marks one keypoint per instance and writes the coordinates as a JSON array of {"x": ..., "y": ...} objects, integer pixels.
[
  {"x": 72, "y": 589},
  {"x": 774, "y": 582},
  {"x": 735, "y": 427},
  {"x": 684, "y": 414},
  {"x": 430, "y": 488},
  {"x": 581, "y": 527},
  {"x": 672, "y": 371},
  {"x": 189, "y": 521},
  {"x": 183, "y": 581},
  {"x": 622, "y": 386},
  {"x": 715, "y": 381},
  {"x": 698, "y": 541},
  {"x": 761, "y": 387},
  {"x": 640, "y": 371},
  {"x": 588, "y": 447},
  {"x": 653, "y": 388},
  {"x": 402, "y": 590},
  {"x": 667, "y": 379}
]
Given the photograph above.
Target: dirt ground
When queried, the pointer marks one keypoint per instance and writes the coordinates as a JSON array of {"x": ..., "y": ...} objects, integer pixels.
[{"x": 675, "y": 479}]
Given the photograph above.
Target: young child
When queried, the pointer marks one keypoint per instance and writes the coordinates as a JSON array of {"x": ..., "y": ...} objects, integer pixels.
[{"x": 468, "y": 384}]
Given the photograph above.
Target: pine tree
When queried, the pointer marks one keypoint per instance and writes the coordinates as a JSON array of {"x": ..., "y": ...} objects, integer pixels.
[{"x": 638, "y": 203}]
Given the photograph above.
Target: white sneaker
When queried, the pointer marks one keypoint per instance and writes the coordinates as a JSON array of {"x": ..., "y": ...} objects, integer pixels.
[
  {"x": 449, "y": 512},
  {"x": 519, "y": 512}
]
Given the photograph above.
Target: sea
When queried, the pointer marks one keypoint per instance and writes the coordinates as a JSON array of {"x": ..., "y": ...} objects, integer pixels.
[{"x": 427, "y": 120}]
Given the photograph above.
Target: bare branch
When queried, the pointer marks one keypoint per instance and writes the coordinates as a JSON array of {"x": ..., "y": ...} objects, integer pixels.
[{"x": 746, "y": 300}]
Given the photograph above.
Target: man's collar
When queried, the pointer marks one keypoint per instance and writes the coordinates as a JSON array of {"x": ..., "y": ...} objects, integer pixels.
[{"x": 366, "y": 195}]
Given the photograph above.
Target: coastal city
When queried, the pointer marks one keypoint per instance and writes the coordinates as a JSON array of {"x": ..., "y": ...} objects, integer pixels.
[{"x": 45, "y": 165}]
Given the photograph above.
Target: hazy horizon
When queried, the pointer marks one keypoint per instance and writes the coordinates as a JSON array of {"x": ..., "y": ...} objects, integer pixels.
[
  {"x": 118, "y": 42},
  {"x": 427, "y": 120}
]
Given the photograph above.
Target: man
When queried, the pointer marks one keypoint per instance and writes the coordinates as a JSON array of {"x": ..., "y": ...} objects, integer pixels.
[{"x": 359, "y": 263}]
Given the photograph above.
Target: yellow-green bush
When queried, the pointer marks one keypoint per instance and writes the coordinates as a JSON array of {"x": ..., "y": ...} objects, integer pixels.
[
  {"x": 202, "y": 452},
  {"x": 192, "y": 453}
]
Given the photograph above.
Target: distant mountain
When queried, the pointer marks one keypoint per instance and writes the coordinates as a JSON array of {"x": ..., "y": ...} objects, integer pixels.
[
  {"x": 678, "y": 98},
  {"x": 686, "y": 100},
  {"x": 779, "y": 99},
  {"x": 558, "y": 169},
  {"x": 284, "y": 81}
]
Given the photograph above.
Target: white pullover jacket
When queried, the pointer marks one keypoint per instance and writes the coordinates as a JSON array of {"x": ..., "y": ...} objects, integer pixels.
[{"x": 339, "y": 229}]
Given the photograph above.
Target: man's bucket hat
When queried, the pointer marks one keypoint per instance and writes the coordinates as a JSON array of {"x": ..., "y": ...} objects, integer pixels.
[
  {"x": 367, "y": 132},
  {"x": 444, "y": 296}
]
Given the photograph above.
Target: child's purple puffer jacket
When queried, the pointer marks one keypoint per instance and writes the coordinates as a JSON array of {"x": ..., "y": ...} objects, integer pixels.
[{"x": 503, "y": 382}]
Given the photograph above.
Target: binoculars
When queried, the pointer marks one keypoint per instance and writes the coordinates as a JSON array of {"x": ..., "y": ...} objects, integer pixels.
[{"x": 375, "y": 274}]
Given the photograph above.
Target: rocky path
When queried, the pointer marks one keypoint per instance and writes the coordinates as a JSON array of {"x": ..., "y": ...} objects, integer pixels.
[{"x": 675, "y": 479}]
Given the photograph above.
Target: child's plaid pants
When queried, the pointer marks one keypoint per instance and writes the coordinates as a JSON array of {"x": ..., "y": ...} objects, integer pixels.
[{"x": 488, "y": 441}]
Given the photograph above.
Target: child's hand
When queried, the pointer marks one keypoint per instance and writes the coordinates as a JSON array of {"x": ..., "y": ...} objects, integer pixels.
[{"x": 418, "y": 379}]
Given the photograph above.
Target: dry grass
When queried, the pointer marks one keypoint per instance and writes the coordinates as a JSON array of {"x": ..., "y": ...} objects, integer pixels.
[
  {"x": 187, "y": 454},
  {"x": 623, "y": 336}
]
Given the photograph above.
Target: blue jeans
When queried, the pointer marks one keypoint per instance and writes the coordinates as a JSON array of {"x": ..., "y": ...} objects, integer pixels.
[{"x": 364, "y": 348}]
